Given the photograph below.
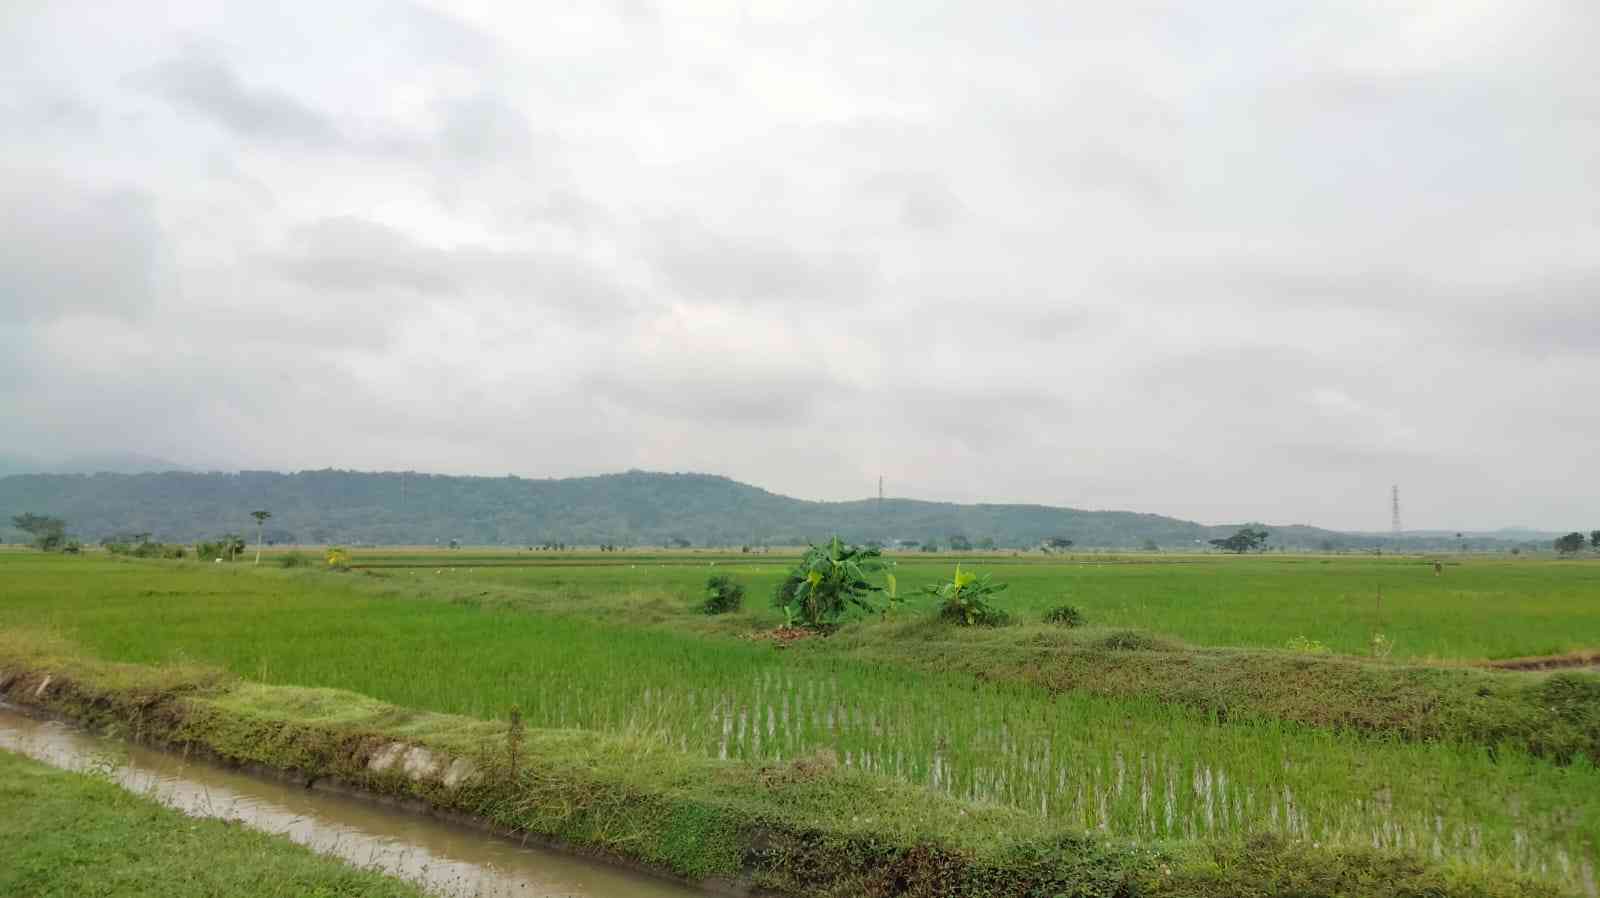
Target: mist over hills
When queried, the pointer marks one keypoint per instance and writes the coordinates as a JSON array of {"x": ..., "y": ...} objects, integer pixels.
[
  {"x": 112, "y": 463},
  {"x": 636, "y": 508}
]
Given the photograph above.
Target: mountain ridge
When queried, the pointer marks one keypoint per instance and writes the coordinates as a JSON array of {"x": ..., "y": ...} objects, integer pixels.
[{"x": 630, "y": 508}]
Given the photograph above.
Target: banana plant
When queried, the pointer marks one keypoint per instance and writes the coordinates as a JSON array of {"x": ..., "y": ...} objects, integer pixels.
[
  {"x": 830, "y": 581},
  {"x": 964, "y": 599}
]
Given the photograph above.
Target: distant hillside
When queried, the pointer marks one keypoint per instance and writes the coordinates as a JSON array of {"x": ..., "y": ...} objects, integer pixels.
[{"x": 636, "y": 508}]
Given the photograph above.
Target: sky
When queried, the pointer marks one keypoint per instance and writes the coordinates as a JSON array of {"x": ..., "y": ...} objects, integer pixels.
[{"x": 1226, "y": 261}]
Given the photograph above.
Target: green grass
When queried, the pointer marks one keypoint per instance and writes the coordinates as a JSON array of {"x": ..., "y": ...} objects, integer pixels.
[
  {"x": 72, "y": 834},
  {"x": 1480, "y": 607},
  {"x": 479, "y": 642},
  {"x": 806, "y": 827}
]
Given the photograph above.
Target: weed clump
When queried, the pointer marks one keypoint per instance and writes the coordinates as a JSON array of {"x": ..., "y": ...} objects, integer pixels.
[
  {"x": 1064, "y": 616},
  {"x": 294, "y": 559},
  {"x": 723, "y": 595},
  {"x": 1303, "y": 646},
  {"x": 1130, "y": 641}
]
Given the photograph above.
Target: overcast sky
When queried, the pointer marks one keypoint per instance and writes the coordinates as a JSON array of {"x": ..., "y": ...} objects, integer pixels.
[{"x": 1225, "y": 261}]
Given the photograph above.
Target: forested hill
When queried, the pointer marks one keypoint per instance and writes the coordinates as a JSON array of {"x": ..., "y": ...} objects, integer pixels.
[{"x": 632, "y": 509}]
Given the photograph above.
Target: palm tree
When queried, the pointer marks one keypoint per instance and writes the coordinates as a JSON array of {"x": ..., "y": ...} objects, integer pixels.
[{"x": 261, "y": 516}]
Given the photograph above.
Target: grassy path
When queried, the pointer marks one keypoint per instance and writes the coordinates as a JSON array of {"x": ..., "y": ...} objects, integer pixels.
[{"x": 75, "y": 835}]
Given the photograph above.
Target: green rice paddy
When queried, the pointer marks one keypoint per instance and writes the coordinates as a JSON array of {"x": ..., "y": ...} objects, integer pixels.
[{"x": 615, "y": 647}]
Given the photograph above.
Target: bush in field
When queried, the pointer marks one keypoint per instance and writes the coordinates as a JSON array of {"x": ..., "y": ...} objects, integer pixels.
[
  {"x": 1064, "y": 615},
  {"x": 338, "y": 558},
  {"x": 293, "y": 559},
  {"x": 829, "y": 581},
  {"x": 722, "y": 595},
  {"x": 964, "y": 600}
]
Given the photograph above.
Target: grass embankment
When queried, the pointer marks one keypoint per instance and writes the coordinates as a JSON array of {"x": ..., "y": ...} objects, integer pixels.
[
  {"x": 1556, "y": 715},
  {"x": 72, "y": 834},
  {"x": 805, "y": 827}
]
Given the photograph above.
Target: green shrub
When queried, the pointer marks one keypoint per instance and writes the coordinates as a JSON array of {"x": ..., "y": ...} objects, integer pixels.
[
  {"x": 293, "y": 559},
  {"x": 1064, "y": 615},
  {"x": 829, "y": 581},
  {"x": 722, "y": 595},
  {"x": 964, "y": 600}
]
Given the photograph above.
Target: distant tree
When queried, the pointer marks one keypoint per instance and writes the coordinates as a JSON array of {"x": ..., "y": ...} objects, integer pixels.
[
  {"x": 1594, "y": 540},
  {"x": 48, "y": 533},
  {"x": 1569, "y": 544},
  {"x": 959, "y": 542},
  {"x": 1248, "y": 539},
  {"x": 678, "y": 542},
  {"x": 1151, "y": 545},
  {"x": 986, "y": 544},
  {"x": 234, "y": 544},
  {"x": 1057, "y": 543},
  {"x": 261, "y": 515}
]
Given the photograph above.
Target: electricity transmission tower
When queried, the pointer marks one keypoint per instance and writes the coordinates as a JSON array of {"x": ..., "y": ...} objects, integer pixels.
[{"x": 1394, "y": 509}]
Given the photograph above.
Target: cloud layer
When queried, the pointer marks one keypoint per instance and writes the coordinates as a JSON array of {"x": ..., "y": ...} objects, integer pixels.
[{"x": 1239, "y": 261}]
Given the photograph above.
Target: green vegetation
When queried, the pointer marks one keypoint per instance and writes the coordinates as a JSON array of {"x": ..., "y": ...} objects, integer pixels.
[
  {"x": 1571, "y": 544},
  {"x": 68, "y": 834},
  {"x": 722, "y": 595},
  {"x": 1065, "y": 616},
  {"x": 804, "y": 825},
  {"x": 1247, "y": 539},
  {"x": 48, "y": 534},
  {"x": 965, "y": 599},
  {"x": 829, "y": 582},
  {"x": 1110, "y": 729},
  {"x": 633, "y": 509}
]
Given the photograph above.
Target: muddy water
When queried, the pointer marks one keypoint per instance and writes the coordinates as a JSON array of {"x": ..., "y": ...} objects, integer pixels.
[{"x": 444, "y": 858}]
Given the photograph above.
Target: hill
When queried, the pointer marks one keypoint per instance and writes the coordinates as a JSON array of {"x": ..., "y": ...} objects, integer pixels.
[{"x": 635, "y": 508}]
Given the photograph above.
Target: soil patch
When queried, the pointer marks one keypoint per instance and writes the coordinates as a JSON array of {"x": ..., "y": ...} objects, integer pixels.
[{"x": 1579, "y": 659}]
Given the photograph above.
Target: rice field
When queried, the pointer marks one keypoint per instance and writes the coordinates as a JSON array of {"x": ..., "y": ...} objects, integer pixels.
[
  {"x": 1479, "y": 607},
  {"x": 1136, "y": 770}
]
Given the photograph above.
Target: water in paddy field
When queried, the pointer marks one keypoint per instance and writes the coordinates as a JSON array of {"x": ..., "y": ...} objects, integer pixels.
[
  {"x": 444, "y": 858},
  {"x": 1082, "y": 774}
]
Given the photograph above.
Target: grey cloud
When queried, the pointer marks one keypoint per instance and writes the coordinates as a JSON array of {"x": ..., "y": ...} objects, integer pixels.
[
  {"x": 73, "y": 249},
  {"x": 204, "y": 83},
  {"x": 722, "y": 389},
  {"x": 1098, "y": 166},
  {"x": 1198, "y": 262},
  {"x": 355, "y": 255},
  {"x": 919, "y": 202},
  {"x": 483, "y": 126},
  {"x": 709, "y": 267}
]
